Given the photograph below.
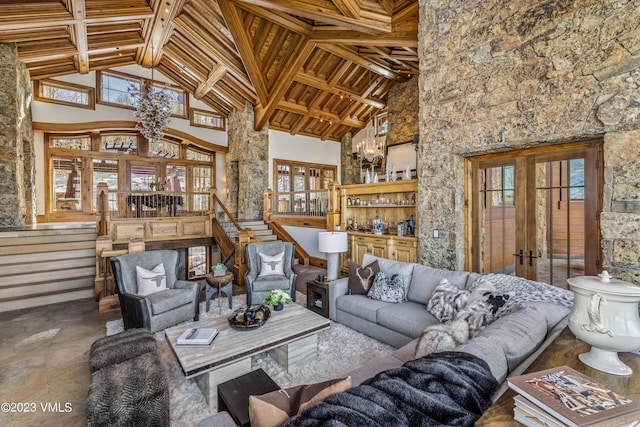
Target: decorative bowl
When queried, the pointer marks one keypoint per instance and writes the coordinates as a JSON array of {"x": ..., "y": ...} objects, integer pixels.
[{"x": 247, "y": 318}]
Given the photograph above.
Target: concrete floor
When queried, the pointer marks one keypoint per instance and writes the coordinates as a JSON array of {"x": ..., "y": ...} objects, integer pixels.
[{"x": 44, "y": 359}]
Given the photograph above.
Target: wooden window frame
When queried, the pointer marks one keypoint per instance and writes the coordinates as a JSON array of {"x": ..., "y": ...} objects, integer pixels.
[
  {"x": 143, "y": 82},
  {"x": 192, "y": 122},
  {"x": 88, "y": 90},
  {"x": 307, "y": 165}
]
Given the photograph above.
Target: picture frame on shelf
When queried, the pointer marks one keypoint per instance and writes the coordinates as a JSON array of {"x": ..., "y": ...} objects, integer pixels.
[{"x": 398, "y": 156}]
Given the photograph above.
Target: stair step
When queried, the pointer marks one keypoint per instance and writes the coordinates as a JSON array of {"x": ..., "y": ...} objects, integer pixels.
[
  {"x": 46, "y": 299},
  {"x": 45, "y": 288}
]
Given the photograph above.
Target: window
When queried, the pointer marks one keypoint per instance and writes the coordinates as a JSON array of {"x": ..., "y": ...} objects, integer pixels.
[
  {"x": 105, "y": 171},
  {"x": 127, "y": 144},
  {"x": 301, "y": 188},
  {"x": 207, "y": 119},
  {"x": 67, "y": 178},
  {"x": 198, "y": 155},
  {"x": 197, "y": 261},
  {"x": 201, "y": 184},
  {"x": 164, "y": 148},
  {"x": 73, "y": 143},
  {"x": 143, "y": 178},
  {"x": 114, "y": 88},
  {"x": 64, "y": 93},
  {"x": 178, "y": 99}
]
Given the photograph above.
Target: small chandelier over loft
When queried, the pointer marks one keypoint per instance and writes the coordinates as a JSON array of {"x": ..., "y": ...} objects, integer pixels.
[
  {"x": 369, "y": 148},
  {"x": 153, "y": 109}
]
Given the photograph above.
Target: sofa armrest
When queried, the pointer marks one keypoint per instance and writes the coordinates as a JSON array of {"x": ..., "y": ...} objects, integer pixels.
[
  {"x": 336, "y": 288},
  {"x": 195, "y": 287}
]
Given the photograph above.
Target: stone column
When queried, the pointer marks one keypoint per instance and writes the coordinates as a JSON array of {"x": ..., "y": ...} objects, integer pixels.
[
  {"x": 17, "y": 156},
  {"x": 247, "y": 165},
  {"x": 350, "y": 171}
]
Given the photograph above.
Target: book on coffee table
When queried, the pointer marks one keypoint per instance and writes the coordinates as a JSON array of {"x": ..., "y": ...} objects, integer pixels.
[
  {"x": 197, "y": 336},
  {"x": 573, "y": 398}
]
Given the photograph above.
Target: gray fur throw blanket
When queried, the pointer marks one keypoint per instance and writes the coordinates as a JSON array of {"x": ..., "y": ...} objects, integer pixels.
[{"x": 440, "y": 389}]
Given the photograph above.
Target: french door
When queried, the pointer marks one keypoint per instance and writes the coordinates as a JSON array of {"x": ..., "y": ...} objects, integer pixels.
[{"x": 535, "y": 213}]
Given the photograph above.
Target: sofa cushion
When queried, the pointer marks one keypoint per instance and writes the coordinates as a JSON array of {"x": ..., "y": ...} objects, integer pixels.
[
  {"x": 360, "y": 306},
  {"x": 387, "y": 290},
  {"x": 391, "y": 267},
  {"x": 169, "y": 299},
  {"x": 361, "y": 277},
  {"x": 273, "y": 408},
  {"x": 151, "y": 281},
  {"x": 408, "y": 318},
  {"x": 425, "y": 279},
  {"x": 518, "y": 334},
  {"x": 489, "y": 352}
]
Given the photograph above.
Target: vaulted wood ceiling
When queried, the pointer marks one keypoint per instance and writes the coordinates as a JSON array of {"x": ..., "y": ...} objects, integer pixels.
[{"x": 315, "y": 67}]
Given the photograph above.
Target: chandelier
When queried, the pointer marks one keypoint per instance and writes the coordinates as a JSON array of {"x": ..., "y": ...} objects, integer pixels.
[
  {"x": 369, "y": 148},
  {"x": 153, "y": 110}
]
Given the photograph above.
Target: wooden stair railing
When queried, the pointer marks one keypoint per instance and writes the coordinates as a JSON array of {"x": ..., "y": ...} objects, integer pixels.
[{"x": 282, "y": 234}]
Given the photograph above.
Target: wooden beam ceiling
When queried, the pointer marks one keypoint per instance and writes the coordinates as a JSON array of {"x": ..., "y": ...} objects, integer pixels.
[{"x": 311, "y": 67}]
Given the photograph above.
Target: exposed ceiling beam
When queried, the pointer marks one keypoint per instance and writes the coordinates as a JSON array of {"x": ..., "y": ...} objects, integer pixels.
[
  {"x": 81, "y": 59},
  {"x": 294, "y": 108},
  {"x": 352, "y": 56},
  {"x": 348, "y": 8},
  {"x": 216, "y": 74},
  {"x": 159, "y": 28},
  {"x": 325, "y": 11},
  {"x": 320, "y": 83}
]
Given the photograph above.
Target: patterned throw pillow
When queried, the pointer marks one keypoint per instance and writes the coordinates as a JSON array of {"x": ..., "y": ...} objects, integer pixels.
[
  {"x": 271, "y": 265},
  {"x": 387, "y": 290},
  {"x": 361, "y": 278},
  {"x": 151, "y": 281},
  {"x": 446, "y": 300}
]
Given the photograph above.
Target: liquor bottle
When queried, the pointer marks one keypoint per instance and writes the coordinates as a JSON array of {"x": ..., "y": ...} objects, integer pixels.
[
  {"x": 357, "y": 200},
  {"x": 349, "y": 201},
  {"x": 413, "y": 199}
]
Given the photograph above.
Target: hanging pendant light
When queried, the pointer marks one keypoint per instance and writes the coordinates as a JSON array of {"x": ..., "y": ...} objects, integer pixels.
[
  {"x": 369, "y": 148},
  {"x": 153, "y": 109}
]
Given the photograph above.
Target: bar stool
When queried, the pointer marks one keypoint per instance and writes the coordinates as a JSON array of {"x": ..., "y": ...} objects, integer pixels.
[{"x": 221, "y": 284}]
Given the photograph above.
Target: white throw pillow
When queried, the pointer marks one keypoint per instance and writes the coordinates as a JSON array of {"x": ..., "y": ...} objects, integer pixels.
[
  {"x": 151, "y": 281},
  {"x": 271, "y": 265}
]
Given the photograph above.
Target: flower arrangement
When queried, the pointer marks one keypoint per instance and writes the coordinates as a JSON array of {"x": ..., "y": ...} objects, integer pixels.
[{"x": 276, "y": 297}]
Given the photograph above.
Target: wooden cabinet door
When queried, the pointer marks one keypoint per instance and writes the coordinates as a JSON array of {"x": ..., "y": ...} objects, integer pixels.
[
  {"x": 404, "y": 252},
  {"x": 378, "y": 247},
  {"x": 359, "y": 247}
]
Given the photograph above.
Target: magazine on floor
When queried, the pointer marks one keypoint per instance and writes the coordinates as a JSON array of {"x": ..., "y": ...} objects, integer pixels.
[
  {"x": 574, "y": 399},
  {"x": 197, "y": 336}
]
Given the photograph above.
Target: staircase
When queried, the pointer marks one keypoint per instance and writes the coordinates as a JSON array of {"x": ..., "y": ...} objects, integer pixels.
[{"x": 46, "y": 266}]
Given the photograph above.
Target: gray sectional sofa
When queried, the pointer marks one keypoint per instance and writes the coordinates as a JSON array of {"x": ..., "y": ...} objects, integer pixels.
[{"x": 508, "y": 345}]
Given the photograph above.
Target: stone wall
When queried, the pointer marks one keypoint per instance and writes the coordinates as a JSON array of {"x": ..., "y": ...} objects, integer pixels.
[
  {"x": 17, "y": 156},
  {"x": 349, "y": 167},
  {"x": 499, "y": 75},
  {"x": 246, "y": 165},
  {"x": 402, "y": 110}
]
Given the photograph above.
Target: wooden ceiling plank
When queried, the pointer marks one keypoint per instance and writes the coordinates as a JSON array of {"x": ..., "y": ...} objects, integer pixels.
[
  {"x": 356, "y": 59},
  {"x": 159, "y": 28},
  {"x": 325, "y": 11},
  {"x": 216, "y": 74},
  {"x": 322, "y": 84},
  {"x": 348, "y": 8},
  {"x": 279, "y": 18},
  {"x": 243, "y": 44},
  {"x": 400, "y": 38},
  {"x": 300, "y": 54},
  {"x": 191, "y": 33}
]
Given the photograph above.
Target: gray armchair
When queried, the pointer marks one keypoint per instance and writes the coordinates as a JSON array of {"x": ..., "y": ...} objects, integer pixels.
[
  {"x": 157, "y": 311},
  {"x": 259, "y": 286}
]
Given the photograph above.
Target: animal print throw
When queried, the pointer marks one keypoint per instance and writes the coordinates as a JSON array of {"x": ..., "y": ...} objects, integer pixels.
[{"x": 387, "y": 290}]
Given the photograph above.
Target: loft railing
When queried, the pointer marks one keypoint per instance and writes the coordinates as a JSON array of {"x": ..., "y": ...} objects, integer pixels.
[{"x": 300, "y": 203}]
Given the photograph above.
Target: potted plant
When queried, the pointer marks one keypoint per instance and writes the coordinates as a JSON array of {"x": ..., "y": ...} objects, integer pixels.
[{"x": 277, "y": 298}]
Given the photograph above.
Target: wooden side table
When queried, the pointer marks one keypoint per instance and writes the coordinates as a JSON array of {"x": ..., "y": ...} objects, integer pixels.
[
  {"x": 318, "y": 297},
  {"x": 219, "y": 284},
  {"x": 564, "y": 350}
]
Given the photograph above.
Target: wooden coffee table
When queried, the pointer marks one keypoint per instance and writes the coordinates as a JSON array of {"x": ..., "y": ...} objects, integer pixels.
[
  {"x": 290, "y": 337},
  {"x": 564, "y": 350}
]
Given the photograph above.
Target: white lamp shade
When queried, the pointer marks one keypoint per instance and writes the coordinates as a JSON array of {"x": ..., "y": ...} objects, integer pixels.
[{"x": 332, "y": 242}]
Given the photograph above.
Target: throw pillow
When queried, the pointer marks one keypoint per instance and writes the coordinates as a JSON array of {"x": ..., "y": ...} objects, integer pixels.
[
  {"x": 274, "y": 408},
  {"x": 446, "y": 301},
  {"x": 387, "y": 290},
  {"x": 151, "y": 281},
  {"x": 441, "y": 337},
  {"x": 271, "y": 265},
  {"x": 361, "y": 278}
]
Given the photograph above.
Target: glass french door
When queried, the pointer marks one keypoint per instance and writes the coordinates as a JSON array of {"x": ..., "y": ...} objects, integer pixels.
[{"x": 534, "y": 213}]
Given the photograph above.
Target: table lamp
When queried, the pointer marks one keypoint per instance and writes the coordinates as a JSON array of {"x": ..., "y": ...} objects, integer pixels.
[{"x": 332, "y": 243}]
